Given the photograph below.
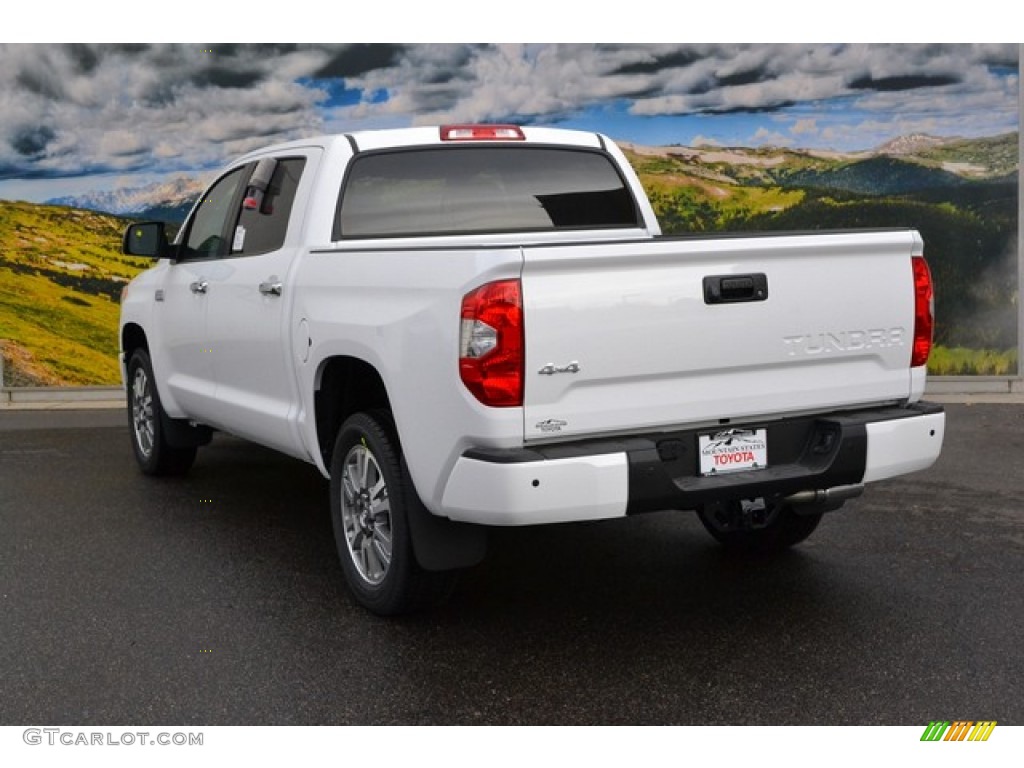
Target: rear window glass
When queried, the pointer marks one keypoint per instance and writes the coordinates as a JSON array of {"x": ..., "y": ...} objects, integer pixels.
[{"x": 482, "y": 189}]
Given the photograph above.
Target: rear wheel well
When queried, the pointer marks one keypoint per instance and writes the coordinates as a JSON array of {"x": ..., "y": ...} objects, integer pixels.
[{"x": 347, "y": 385}]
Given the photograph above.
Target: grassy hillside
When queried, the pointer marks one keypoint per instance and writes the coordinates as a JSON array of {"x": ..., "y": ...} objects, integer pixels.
[
  {"x": 705, "y": 192},
  {"x": 61, "y": 273},
  {"x": 985, "y": 157},
  {"x": 875, "y": 176}
]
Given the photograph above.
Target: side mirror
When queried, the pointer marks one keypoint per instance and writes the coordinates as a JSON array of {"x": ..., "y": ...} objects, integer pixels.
[{"x": 146, "y": 239}]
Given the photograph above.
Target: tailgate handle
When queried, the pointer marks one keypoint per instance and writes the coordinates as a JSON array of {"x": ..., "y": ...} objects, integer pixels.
[{"x": 732, "y": 289}]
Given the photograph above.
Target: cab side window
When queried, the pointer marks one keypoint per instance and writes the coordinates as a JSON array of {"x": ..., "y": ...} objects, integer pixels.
[
  {"x": 209, "y": 228},
  {"x": 263, "y": 223}
]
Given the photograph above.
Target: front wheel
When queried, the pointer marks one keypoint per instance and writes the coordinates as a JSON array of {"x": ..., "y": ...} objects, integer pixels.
[
  {"x": 370, "y": 501},
  {"x": 743, "y": 530},
  {"x": 153, "y": 453}
]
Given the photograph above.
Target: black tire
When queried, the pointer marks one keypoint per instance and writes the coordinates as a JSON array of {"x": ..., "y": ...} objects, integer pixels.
[
  {"x": 146, "y": 418},
  {"x": 370, "y": 501},
  {"x": 784, "y": 529}
]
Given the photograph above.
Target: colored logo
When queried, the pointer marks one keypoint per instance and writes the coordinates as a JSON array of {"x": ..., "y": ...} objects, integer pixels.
[{"x": 959, "y": 730}]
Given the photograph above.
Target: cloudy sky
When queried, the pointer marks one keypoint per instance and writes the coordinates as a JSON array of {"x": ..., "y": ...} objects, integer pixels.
[{"x": 80, "y": 117}]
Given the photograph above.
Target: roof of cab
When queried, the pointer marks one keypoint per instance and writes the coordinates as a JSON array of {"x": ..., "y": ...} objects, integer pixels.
[
  {"x": 431, "y": 134},
  {"x": 393, "y": 138}
]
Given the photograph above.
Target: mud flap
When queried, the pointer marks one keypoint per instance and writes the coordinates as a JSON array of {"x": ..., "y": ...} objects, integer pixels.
[
  {"x": 179, "y": 433},
  {"x": 439, "y": 543}
]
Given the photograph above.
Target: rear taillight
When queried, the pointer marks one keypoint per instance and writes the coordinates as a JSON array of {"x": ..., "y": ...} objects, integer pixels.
[
  {"x": 482, "y": 133},
  {"x": 491, "y": 353},
  {"x": 924, "y": 308}
]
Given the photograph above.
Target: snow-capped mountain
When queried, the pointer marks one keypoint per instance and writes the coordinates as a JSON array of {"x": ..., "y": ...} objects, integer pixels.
[
  {"x": 910, "y": 144},
  {"x": 163, "y": 199}
]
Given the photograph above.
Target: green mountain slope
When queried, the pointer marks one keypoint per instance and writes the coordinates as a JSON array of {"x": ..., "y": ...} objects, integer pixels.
[
  {"x": 61, "y": 274},
  {"x": 987, "y": 157},
  {"x": 874, "y": 176}
]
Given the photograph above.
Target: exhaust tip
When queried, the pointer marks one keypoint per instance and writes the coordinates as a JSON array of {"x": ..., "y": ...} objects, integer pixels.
[{"x": 824, "y": 499}]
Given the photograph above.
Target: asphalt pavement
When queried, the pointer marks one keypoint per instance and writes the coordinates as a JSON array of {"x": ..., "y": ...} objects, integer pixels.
[{"x": 217, "y": 599}]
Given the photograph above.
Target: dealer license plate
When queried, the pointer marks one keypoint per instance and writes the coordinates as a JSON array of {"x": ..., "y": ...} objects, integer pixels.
[{"x": 733, "y": 450}]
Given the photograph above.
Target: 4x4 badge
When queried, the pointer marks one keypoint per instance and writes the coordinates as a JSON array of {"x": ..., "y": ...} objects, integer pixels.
[{"x": 551, "y": 369}]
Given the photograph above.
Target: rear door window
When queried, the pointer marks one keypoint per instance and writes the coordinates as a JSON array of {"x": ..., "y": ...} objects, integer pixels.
[
  {"x": 457, "y": 190},
  {"x": 263, "y": 223}
]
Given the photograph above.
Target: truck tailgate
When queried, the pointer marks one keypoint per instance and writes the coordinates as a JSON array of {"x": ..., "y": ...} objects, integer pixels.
[{"x": 624, "y": 337}]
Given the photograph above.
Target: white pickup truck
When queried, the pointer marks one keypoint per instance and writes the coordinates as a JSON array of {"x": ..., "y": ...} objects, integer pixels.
[{"x": 468, "y": 326}]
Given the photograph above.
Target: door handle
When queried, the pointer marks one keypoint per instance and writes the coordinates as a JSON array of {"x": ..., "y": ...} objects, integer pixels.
[
  {"x": 271, "y": 287},
  {"x": 732, "y": 289},
  {"x": 199, "y": 286}
]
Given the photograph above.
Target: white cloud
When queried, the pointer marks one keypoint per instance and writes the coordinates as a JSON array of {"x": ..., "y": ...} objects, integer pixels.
[
  {"x": 705, "y": 141},
  {"x": 805, "y": 127},
  {"x": 69, "y": 110},
  {"x": 762, "y": 137}
]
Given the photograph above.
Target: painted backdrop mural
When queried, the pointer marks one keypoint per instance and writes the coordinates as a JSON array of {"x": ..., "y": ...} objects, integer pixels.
[{"x": 734, "y": 137}]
